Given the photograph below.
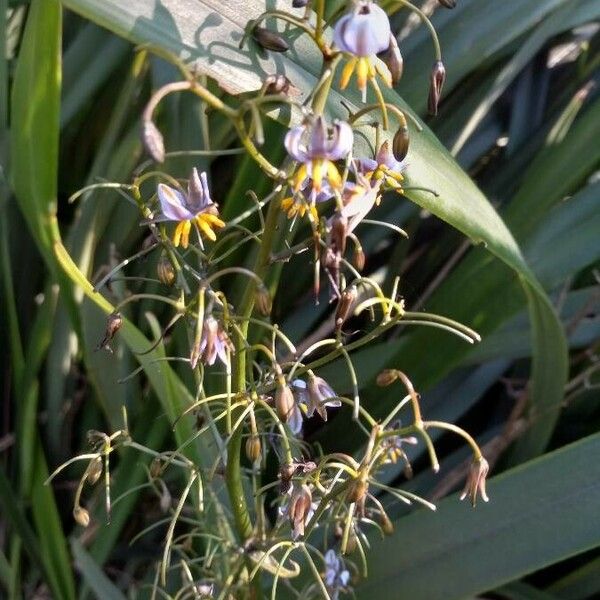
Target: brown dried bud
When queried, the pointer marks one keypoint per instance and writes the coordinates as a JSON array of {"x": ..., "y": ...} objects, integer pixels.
[
  {"x": 448, "y": 3},
  {"x": 387, "y": 377},
  {"x": 436, "y": 83},
  {"x": 299, "y": 509},
  {"x": 269, "y": 40},
  {"x": 359, "y": 257},
  {"x": 94, "y": 470},
  {"x": 286, "y": 471},
  {"x": 339, "y": 232},
  {"x": 113, "y": 324},
  {"x": 392, "y": 57},
  {"x": 253, "y": 448},
  {"x": 262, "y": 300},
  {"x": 299, "y": 3},
  {"x": 400, "y": 143},
  {"x": 277, "y": 84},
  {"x": 351, "y": 543},
  {"x": 165, "y": 271},
  {"x": 345, "y": 303},
  {"x": 358, "y": 490},
  {"x": 153, "y": 141},
  {"x": 386, "y": 524},
  {"x": 284, "y": 401},
  {"x": 81, "y": 516}
]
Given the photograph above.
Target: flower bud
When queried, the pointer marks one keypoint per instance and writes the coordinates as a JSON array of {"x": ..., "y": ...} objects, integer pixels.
[
  {"x": 387, "y": 377},
  {"x": 94, "y": 470},
  {"x": 299, "y": 3},
  {"x": 269, "y": 40},
  {"x": 165, "y": 271},
  {"x": 392, "y": 57},
  {"x": 448, "y": 3},
  {"x": 345, "y": 303},
  {"x": 284, "y": 401},
  {"x": 359, "y": 258},
  {"x": 386, "y": 524},
  {"x": 263, "y": 301},
  {"x": 476, "y": 480},
  {"x": 113, "y": 324},
  {"x": 436, "y": 83},
  {"x": 299, "y": 509},
  {"x": 253, "y": 448},
  {"x": 339, "y": 231},
  {"x": 153, "y": 141},
  {"x": 351, "y": 542},
  {"x": 400, "y": 143},
  {"x": 81, "y": 516}
]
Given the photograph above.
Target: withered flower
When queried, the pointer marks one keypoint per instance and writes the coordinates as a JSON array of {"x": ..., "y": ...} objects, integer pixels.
[
  {"x": 476, "y": 481},
  {"x": 392, "y": 57},
  {"x": 436, "y": 83},
  {"x": 300, "y": 509},
  {"x": 349, "y": 296},
  {"x": 113, "y": 324},
  {"x": 81, "y": 516},
  {"x": 213, "y": 343}
]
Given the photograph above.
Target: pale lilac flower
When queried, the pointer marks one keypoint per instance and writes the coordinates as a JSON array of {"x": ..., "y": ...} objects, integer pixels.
[
  {"x": 364, "y": 32},
  {"x": 213, "y": 343},
  {"x": 317, "y": 396},
  {"x": 316, "y": 147},
  {"x": 359, "y": 199},
  {"x": 476, "y": 481},
  {"x": 336, "y": 576},
  {"x": 298, "y": 507},
  {"x": 195, "y": 206},
  {"x": 383, "y": 166}
]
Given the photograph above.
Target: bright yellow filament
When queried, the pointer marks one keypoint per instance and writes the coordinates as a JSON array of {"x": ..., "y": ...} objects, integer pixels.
[{"x": 206, "y": 222}]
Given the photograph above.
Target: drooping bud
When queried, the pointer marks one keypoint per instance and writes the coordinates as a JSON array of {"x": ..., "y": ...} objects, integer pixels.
[
  {"x": 153, "y": 141},
  {"x": 113, "y": 324},
  {"x": 359, "y": 257},
  {"x": 448, "y": 3},
  {"x": 387, "y": 377},
  {"x": 81, "y": 516},
  {"x": 262, "y": 300},
  {"x": 339, "y": 232},
  {"x": 476, "y": 481},
  {"x": 299, "y": 509},
  {"x": 156, "y": 467},
  {"x": 253, "y": 448},
  {"x": 284, "y": 401},
  {"x": 386, "y": 524},
  {"x": 400, "y": 143},
  {"x": 392, "y": 57},
  {"x": 165, "y": 271},
  {"x": 345, "y": 303},
  {"x": 436, "y": 83},
  {"x": 299, "y": 3},
  {"x": 94, "y": 470},
  {"x": 269, "y": 40}
]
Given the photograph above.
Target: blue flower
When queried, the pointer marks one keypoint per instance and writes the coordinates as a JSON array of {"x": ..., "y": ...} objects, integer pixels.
[
  {"x": 336, "y": 576},
  {"x": 383, "y": 167}
]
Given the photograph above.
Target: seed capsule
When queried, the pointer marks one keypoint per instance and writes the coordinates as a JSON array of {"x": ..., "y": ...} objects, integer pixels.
[
  {"x": 386, "y": 524},
  {"x": 81, "y": 516},
  {"x": 269, "y": 40},
  {"x": 358, "y": 490},
  {"x": 284, "y": 401},
  {"x": 387, "y": 377},
  {"x": 153, "y": 141},
  {"x": 263, "y": 301},
  {"x": 345, "y": 303},
  {"x": 359, "y": 258}
]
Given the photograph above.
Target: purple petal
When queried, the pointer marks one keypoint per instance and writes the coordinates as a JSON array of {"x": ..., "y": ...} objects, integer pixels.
[
  {"x": 341, "y": 144},
  {"x": 293, "y": 141},
  {"x": 339, "y": 32},
  {"x": 172, "y": 204},
  {"x": 364, "y": 32},
  {"x": 318, "y": 140}
]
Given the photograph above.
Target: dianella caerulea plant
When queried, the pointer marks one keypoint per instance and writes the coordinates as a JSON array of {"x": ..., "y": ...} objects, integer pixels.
[{"x": 267, "y": 509}]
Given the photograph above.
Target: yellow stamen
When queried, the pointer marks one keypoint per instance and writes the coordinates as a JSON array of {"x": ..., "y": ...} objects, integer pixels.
[
  {"x": 333, "y": 175},
  {"x": 205, "y": 227},
  {"x": 213, "y": 220},
  {"x": 299, "y": 177},
  {"x": 177, "y": 233},
  {"x": 317, "y": 174},
  {"x": 384, "y": 72},
  {"x": 362, "y": 72},
  {"x": 185, "y": 233},
  {"x": 347, "y": 73}
]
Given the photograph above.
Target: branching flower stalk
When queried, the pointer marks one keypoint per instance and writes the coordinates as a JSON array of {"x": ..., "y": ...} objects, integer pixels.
[{"x": 253, "y": 390}]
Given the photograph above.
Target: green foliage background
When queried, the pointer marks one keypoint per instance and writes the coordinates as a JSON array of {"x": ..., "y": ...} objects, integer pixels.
[{"x": 509, "y": 247}]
